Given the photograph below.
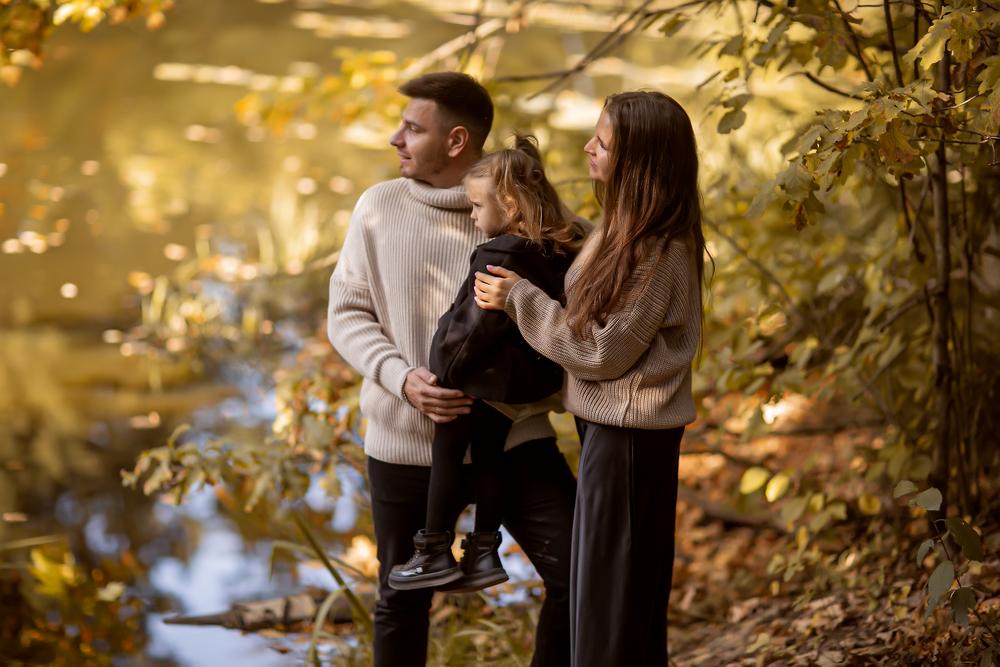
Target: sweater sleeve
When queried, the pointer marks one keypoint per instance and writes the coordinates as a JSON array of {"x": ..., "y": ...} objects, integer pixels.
[
  {"x": 352, "y": 323},
  {"x": 657, "y": 298}
]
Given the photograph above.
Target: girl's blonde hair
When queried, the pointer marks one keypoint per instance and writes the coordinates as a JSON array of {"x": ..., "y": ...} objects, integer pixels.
[{"x": 527, "y": 197}]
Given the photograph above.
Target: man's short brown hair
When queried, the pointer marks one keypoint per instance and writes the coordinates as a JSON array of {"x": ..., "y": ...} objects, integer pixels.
[{"x": 461, "y": 98}]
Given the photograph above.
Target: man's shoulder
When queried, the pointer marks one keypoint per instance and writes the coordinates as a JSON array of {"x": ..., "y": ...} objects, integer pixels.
[
  {"x": 380, "y": 191},
  {"x": 380, "y": 201}
]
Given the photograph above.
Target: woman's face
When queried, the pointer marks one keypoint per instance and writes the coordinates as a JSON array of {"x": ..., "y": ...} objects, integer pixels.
[{"x": 598, "y": 150}]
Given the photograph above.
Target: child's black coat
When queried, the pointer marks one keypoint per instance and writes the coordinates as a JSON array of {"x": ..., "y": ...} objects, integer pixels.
[{"x": 481, "y": 351}]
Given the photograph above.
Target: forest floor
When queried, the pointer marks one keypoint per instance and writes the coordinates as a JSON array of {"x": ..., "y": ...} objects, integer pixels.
[
  {"x": 859, "y": 595},
  {"x": 752, "y": 589}
]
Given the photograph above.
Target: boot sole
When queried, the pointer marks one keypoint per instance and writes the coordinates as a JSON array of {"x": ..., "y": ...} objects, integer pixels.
[
  {"x": 427, "y": 580},
  {"x": 476, "y": 582}
]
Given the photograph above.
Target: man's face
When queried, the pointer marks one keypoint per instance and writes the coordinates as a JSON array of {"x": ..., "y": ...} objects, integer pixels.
[{"x": 421, "y": 141}]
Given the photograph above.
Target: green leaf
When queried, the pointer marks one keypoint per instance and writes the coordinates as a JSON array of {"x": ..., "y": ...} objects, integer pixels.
[
  {"x": 924, "y": 549},
  {"x": 733, "y": 120},
  {"x": 930, "y": 499},
  {"x": 939, "y": 583},
  {"x": 832, "y": 279},
  {"x": 765, "y": 195},
  {"x": 753, "y": 479},
  {"x": 962, "y": 600},
  {"x": 793, "y": 509},
  {"x": 966, "y": 537}
]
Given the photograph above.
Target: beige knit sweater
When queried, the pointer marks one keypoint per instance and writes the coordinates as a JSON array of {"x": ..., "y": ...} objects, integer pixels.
[
  {"x": 635, "y": 371},
  {"x": 406, "y": 253}
]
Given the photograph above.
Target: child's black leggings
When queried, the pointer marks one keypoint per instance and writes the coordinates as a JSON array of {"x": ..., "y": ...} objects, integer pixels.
[{"x": 484, "y": 430}]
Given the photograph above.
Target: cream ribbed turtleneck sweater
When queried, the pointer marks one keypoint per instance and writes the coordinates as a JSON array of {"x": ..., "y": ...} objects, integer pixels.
[{"x": 406, "y": 253}]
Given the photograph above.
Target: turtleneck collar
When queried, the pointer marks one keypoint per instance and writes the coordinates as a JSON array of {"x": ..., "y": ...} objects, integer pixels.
[{"x": 453, "y": 199}]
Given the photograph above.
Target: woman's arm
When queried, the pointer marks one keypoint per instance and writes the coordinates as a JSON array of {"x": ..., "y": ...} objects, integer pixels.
[{"x": 605, "y": 351}]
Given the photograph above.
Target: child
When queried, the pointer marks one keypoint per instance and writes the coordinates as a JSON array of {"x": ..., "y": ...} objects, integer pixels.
[{"x": 483, "y": 354}]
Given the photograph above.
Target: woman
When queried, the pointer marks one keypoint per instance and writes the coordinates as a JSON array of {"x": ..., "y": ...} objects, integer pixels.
[{"x": 626, "y": 337}]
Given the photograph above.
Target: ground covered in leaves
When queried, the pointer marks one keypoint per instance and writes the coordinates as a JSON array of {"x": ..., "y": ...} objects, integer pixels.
[
  {"x": 818, "y": 566},
  {"x": 857, "y": 595}
]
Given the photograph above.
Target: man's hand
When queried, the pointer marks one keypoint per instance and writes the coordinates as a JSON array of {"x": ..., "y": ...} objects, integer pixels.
[{"x": 441, "y": 405}]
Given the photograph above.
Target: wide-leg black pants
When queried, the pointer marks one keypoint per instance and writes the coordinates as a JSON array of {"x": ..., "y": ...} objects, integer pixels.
[
  {"x": 537, "y": 510},
  {"x": 623, "y": 545}
]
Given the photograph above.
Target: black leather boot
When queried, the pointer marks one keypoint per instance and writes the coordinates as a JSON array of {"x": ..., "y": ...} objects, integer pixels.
[
  {"x": 480, "y": 564},
  {"x": 431, "y": 564}
]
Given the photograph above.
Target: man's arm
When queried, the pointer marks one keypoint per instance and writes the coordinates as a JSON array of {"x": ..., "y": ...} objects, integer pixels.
[
  {"x": 354, "y": 330},
  {"x": 352, "y": 323}
]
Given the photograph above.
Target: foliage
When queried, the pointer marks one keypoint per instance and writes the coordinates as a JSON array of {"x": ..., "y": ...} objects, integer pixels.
[
  {"x": 25, "y": 25},
  {"x": 56, "y": 609}
]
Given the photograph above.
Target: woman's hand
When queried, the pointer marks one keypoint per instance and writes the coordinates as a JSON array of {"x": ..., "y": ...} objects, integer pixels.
[{"x": 492, "y": 290}]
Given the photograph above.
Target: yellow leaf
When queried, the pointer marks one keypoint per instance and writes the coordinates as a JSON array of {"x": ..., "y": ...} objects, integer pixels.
[
  {"x": 776, "y": 487},
  {"x": 869, "y": 504},
  {"x": 111, "y": 592},
  {"x": 753, "y": 479},
  {"x": 64, "y": 12}
]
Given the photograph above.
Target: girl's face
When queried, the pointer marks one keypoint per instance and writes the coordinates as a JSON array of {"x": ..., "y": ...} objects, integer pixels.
[
  {"x": 487, "y": 215},
  {"x": 598, "y": 150}
]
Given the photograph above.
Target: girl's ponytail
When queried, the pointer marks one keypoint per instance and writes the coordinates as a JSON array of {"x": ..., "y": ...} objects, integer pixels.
[{"x": 527, "y": 197}]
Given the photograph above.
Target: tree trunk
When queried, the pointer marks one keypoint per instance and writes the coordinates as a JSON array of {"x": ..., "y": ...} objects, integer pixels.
[{"x": 941, "y": 306}]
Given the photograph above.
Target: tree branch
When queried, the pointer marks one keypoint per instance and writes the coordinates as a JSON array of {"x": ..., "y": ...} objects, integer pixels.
[
  {"x": 890, "y": 31},
  {"x": 764, "y": 271},
  {"x": 854, "y": 40},
  {"x": 825, "y": 86}
]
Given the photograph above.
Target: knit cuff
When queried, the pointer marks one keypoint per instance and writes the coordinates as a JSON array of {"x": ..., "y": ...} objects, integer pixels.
[
  {"x": 510, "y": 307},
  {"x": 392, "y": 375}
]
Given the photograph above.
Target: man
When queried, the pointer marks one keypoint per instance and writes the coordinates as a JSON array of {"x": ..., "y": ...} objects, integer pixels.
[{"x": 406, "y": 252}]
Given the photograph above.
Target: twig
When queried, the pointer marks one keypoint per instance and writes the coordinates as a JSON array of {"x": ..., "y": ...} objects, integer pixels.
[
  {"x": 712, "y": 451},
  {"x": 890, "y": 31},
  {"x": 604, "y": 46},
  {"x": 826, "y": 86},
  {"x": 726, "y": 514},
  {"x": 854, "y": 40},
  {"x": 609, "y": 43},
  {"x": 773, "y": 279}
]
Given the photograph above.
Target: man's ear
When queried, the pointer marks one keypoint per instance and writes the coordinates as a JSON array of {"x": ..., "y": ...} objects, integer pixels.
[{"x": 458, "y": 139}]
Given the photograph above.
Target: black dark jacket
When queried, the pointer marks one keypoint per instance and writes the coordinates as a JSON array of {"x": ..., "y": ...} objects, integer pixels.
[{"x": 481, "y": 351}]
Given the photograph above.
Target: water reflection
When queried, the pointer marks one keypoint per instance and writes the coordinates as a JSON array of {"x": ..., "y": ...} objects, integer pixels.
[{"x": 220, "y": 571}]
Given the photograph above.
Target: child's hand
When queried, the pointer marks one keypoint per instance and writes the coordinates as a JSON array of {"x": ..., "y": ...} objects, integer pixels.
[{"x": 492, "y": 290}]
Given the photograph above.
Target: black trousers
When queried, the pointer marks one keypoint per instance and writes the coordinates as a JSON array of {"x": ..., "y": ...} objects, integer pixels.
[
  {"x": 537, "y": 510},
  {"x": 623, "y": 545},
  {"x": 484, "y": 432}
]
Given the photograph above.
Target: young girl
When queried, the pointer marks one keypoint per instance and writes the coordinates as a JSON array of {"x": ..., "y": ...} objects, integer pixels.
[
  {"x": 626, "y": 336},
  {"x": 485, "y": 356}
]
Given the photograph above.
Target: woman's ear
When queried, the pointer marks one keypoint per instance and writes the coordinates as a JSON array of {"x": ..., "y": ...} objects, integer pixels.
[{"x": 458, "y": 139}]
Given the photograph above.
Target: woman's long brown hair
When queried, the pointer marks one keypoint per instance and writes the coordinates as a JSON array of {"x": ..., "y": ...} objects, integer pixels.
[
  {"x": 527, "y": 197},
  {"x": 650, "y": 198}
]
